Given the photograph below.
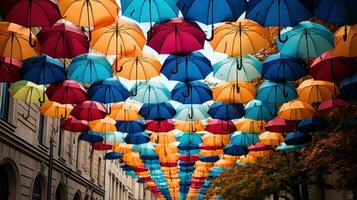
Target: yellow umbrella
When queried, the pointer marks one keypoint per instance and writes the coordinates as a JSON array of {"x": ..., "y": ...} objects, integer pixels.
[
  {"x": 122, "y": 148},
  {"x": 296, "y": 110},
  {"x": 271, "y": 138},
  {"x": 125, "y": 111},
  {"x": 103, "y": 125},
  {"x": 163, "y": 138},
  {"x": 189, "y": 127},
  {"x": 312, "y": 91},
  {"x": 346, "y": 48},
  {"x": 211, "y": 139},
  {"x": 209, "y": 153},
  {"x": 224, "y": 163},
  {"x": 250, "y": 126},
  {"x": 14, "y": 41},
  {"x": 240, "y": 92},
  {"x": 166, "y": 149}
]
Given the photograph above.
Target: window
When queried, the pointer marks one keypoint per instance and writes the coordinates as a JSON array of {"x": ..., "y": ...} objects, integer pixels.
[
  {"x": 91, "y": 163},
  {"x": 36, "y": 194},
  {"x": 41, "y": 129},
  {"x": 99, "y": 170},
  {"x": 4, "y": 100},
  {"x": 4, "y": 183},
  {"x": 60, "y": 141}
]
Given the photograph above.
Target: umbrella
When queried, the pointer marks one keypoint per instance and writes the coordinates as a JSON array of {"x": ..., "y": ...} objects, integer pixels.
[
  {"x": 89, "y": 110},
  {"x": 157, "y": 111},
  {"x": 280, "y": 125},
  {"x": 345, "y": 46},
  {"x": 160, "y": 125},
  {"x": 235, "y": 150},
  {"x": 89, "y": 68},
  {"x": 244, "y": 139},
  {"x": 306, "y": 40},
  {"x": 240, "y": 38},
  {"x": 260, "y": 146},
  {"x": 288, "y": 148},
  {"x": 278, "y": 13},
  {"x": 225, "y": 111},
  {"x": 176, "y": 36},
  {"x": 27, "y": 92},
  {"x": 130, "y": 126},
  {"x": 122, "y": 148},
  {"x": 163, "y": 137},
  {"x": 125, "y": 112},
  {"x": 91, "y": 136},
  {"x": 150, "y": 92},
  {"x": 110, "y": 90},
  {"x": 54, "y": 110},
  {"x": 63, "y": 41},
  {"x": 331, "y": 68},
  {"x": 216, "y": 126},
  {"x": 10, "y": 70},
  {"x": 103, "y": 125},
  {"x": 280, "y": 68},
  {"x": 259, "y": 110},
  {"x": 271, "y": 138},
  {"x": 137, "y": 138},
  {"x": 34, "y": 13},
  {"x": 275, "y": 93},
  {"x": 74, "y": 125},
  {"x": 296, "y": 110},
  {"x": 191, "y": 112},
  {"x": 325, "y": 108},
  {"x": 348, "y": 88},
  {"x": 190, "y": 126},
  {"x": 250, "y": 126},
  {"x": 312, "y": 91},
  {"x": 234, "y": 93},
  {"x": 248, "y": 159},
  {"x": 313, "y": 124},
  {"x": 195, "y": 92},
  {"x": 297, "y": 138},
  {"x": 186, "y": 68},
  {"x": 165, "y": 149},
  {"x": 15, "y": 41},
  {"x": 112, "y": 156},
  {"x": 230, "y": 70},
  {"x": 211, "y": 12},
  {"x": 101, "y": 146},
  {"x": 189, "y": 138}
]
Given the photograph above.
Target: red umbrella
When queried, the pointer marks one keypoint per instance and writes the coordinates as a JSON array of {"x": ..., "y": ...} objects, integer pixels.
[
  {"x": 169, "y": 164},
  {"x": 140, "y": 169},
  {"x": 189, "y": 158},
  {"x": 207, "y": 147},
  {"x": 327, "y": 106},
  {"x": 280, "y": 125},
  {"x": 331, "y": 68},
  {"x": 89, "y": 110},
  {"x": 101, "y": 146},
  {"x": 176, "y": 36},
  {"x": 259, "y": 147},
  {"x": 223, "y": 127},
  {"x": 160, "y": 125},
  {"x": 9, "y": 70},
  {"x": 147, "y": 179},
  {"x": 67, "y": 92},
  {"x": 74, "y": 125}
]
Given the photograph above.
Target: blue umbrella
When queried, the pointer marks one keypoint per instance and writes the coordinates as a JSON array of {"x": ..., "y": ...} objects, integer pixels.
[
  {"x": 130, "y": 126},
  {"x": 280, "y": 68},
  {"x": 91, "y": 136},
  {"x": 348, "y": 88},
  {"x": 211, "y": 11},
  {"x": 288, "y": 148},
  {"x": 244, "y": 139},
  {"x": 278, "y": 13},
  {"x": 157, "y": 111},
  {"x": 189, "y": 152},
  {"x": 89, "y": 68},
  {"x": 108, "y": 91},
  {"x": 313, "y": 124},
  {"x": 137, "y": 138},
  {"x": 195, "y": 92},
  {"x": 235, "y": 150},
  {"x": 259, "y": 110},
  {"x": 223, "y": 111},
  {"x": 112, "y": 156},
  {"x": 186, "y": 68},
  {"x": 271, "y": 92},
  {"x": 188, "y": 147},
  {"x": 209, "y": 159},
  {"x": 189, "y": 138},
  {"x": 297, "y": 138}
]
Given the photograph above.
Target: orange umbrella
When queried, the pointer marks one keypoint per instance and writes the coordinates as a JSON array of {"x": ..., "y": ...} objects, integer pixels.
[
  {"x": 230, "y": 158},
  {"x": 346, "y": 48},
  {"x": 211, "y": 139},
  {"x": 122, "y": 148},
  {"x": 165, "y": 149},
  {"x": 124, "y": 111},
  {"x": 296, "y": 110},
  {"x": 14, "y": 41},
  {"x": 271, "y": 138},
  {"x": 234, "y": 92},
  {"x": 209, "y": 153},
  {"x": 103, "y": 125},
  {"x": 132, "y": 159},
  {"x": 247, "y": 159},
  {"x": 55, "y": 110},
  {"x": 250, "y": 126},
  {"x": 260, "y": 154},
  {"x": 189, "y": 127},
  {"x": 313, "y": 91},
  {"x": 169, "y": 157},
  {"x": 163, "y": 138},
  {"x": 223, "y": 163}
]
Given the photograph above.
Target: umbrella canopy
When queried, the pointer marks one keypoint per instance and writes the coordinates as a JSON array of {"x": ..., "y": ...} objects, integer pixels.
[
  {"x": 234, "y": 92},
  {"x": 345, "y": 46},
  {"x": 74, "y": 125},
  {"x": 157, "y": 111},
  {"x": 130, "y": 126},
  {"x": 176, "y": 36},
  {"x": 312, "y": 91},
  {"x": 244, "y": 139},
  {"x": 122, "y": 148},
  {"x": 112, "y": 156},
  {"x": 216, "y": 126},
  {"x": 250, "y": 126},
  {"x": 271, "y": 138},
  {"x": 272, "y": 92},
  {"x": 279, "y": 68},
  {"x": 186, "y": 68},
  {"x": 89, "y": 110},
  {"x": 313, "y": 124},
  {"x": 225, "y": 111},
  {"x": 27, "y": 92},
  {"x": 125, "y": 112},
  {"x": 10, "y": 69},
  {"x": 191, "y": 112},
  {"x": 297, "y": 138},
  {"x": 101, "y": 146},
  {"x": 55, "y": 110},
  {"x": 259, "y": 110},
  {"x": 160, "y": 125},
  {"x": 195, "y": 92},
  {"x": 189, "y": 138},
  {"x": 235, "y": 150},
  {"x": 150, "y": 92},
  {"x": 190, "y": 126},
  {"x": 163, "y": 137},
  {"x": 288, "y": 148},
  {"x": 262, "y": 147},
  {"x": 103, "y": 125},
  {"x": 110, "y": 90},
  {"x": 296, "y": 110},
  {"x": 326, "y": 107},
  {"x": 137, "y": 138},
  {"x": 67, "y": 92},
  {"x": 91, "y": 136},
  {"x": 348, "y": 88},
  {"x": 280, "y": 125}
]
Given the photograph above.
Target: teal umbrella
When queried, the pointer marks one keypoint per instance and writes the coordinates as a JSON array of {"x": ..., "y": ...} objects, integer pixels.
[
  {"x": 288, "y": 148},
  {"x": 114, "y": 137},
  {"x": 192, "y": 112},
  {"x": 306, "y": 40},
  {"x": 150, "y": 92},
  {"x": 146, "y": 149},
  {"x": 229, "y": 69},
  {"x": 272, "y": 92},
  {"x": 244, "y": 139},
  {"x": 259, "y": 110}
]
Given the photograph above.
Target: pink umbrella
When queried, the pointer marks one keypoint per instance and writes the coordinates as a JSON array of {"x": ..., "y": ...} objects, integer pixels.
[
  {"x": 259, "y": 147},
  {"x": 74, "y": 125},
  {"x": 280, "y": 125},
  {"x": 327, "y": 106},
  {"x": 89, "y": 110}
]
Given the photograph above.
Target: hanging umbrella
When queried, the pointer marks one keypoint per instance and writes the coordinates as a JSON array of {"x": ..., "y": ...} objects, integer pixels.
[
  {"x": 348, "y": 88},
  {"x": 130, "y": 126},
  {"x": 54, "y": 110},
  {"x": 32, "y": 13},
  {"x": 271, "y": 138},
  {"x": 191, "y": 112},
  {"x": 103, "y": 125},
  {"x": 125, "y": 112},
  {"x": 91, "y": 136},
  {"x": 296, "y": 110},
  {"x": 122, "y": 148},
  {"x": 278, "y": 13},
  {"x": 157, "y": 111},
  {"x": 244, "y": 139},
  {"x": 288, "y": 148},
  {"x": 262, "y": 147},
  {"x": 331, "y": 68},
  {"x": 225, "y": 111},
  {"x": 312, "y": 91},
  {"x": 186, "y": 68},
  {"x": 74, "y": 125},
  {"x": 10, "y": 70},
  {"x": 240, "y": 38},
  {"x": 313, "y": 124},
  {"x": 230, "y": 70},
  {"x": 160, "y": 125},
  {"x": 250, "y": 126},
  {"x": 110, "y": 90},
  {"x": 195, "y": 92},
  {"x": 89, "y": 110},
  {"x": 89, "y": 68},
  {"x": 176, "y": 36},
  {"x": 190, "y": 126},
  {"x": 280, "y": 68},
  {"x": 248, "y": 159},
  {"x": 259, "y": 110},
  {"x": 112, "y": 156},
  {"x": 235, "y": 150},
  {"x": 163, "y": 137},
  {"x": 189, "y": 138},
  {"x": 27, "y": 92},
  {"x": 150, "y": 92},
  {"x": 275, "y": 93},
  {"x": 234, "y": 93},
  {"x": 216, "y": 126},
  {"x": 345, "y": 46},
  {"x": 101, "y": 146},
  {"x": 297, "y": 138},
  {"x": 165, "y": 149},
  {"x": 211, "y": 12},
  {"x": 15, "y": 41},
  {"x": 137, "y": 138},
  {"x": 132, "y": 159},
  {"x": 280, "y": 125},
  {"x": 306, "y": 40},
  {"x": 325, "y": 108}
]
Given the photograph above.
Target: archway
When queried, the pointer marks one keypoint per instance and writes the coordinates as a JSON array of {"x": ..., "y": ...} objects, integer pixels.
[
  {"x": 8, "y": 179},
  {"x": 77, "y": 196},
  {"x": 60, "y": 192},
  {"x": 39, "y": 188}
]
